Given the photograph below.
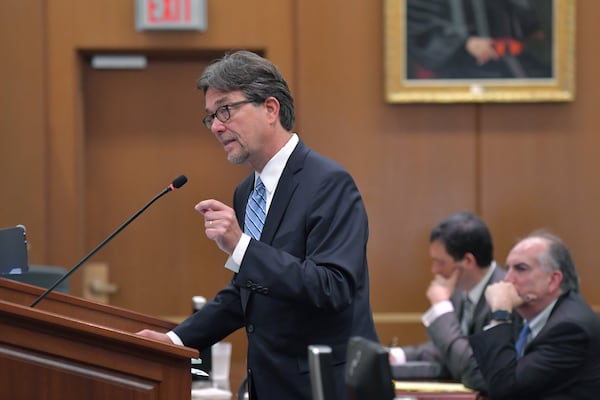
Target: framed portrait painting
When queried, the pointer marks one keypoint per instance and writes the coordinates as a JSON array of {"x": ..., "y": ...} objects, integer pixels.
[{"x": 479, "y": 50}]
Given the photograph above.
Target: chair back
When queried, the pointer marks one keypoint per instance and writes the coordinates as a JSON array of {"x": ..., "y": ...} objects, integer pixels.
[
  {"x": 322, "y": 380},
  {"x": 43, "y": 276}
]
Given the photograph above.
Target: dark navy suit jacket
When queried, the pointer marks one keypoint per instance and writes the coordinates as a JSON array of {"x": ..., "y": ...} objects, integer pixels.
[{"x": 305, "y": 282}]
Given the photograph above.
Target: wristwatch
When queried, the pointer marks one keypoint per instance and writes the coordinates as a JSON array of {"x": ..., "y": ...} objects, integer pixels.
[{"x": 501, "y": 316}]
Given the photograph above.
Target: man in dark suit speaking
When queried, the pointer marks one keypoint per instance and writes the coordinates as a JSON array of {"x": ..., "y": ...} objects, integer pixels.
[
  {"x": 296, "y": 238},
  {"x": 555, "y": 354}
]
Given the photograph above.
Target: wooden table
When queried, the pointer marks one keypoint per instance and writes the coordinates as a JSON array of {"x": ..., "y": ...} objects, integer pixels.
[{"x": 426, "y": 390}]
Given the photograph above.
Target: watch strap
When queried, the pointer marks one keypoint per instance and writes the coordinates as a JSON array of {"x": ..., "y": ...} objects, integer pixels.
[{"x": 501, "y": 315}]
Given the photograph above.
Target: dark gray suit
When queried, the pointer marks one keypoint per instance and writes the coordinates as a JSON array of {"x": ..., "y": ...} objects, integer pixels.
[
  {"x": 449, "y": 346},
  {"x": 305, "y": 282}
]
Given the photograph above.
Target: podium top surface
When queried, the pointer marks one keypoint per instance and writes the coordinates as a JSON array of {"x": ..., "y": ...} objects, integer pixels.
[{"x": 82, "y": 309}]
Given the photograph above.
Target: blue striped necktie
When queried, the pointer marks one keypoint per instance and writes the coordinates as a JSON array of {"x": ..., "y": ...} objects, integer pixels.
[{"x": 256, "y": 210}]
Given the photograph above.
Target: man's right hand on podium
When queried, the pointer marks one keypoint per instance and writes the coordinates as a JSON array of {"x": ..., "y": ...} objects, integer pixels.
[{"x": 150, "y": 334}]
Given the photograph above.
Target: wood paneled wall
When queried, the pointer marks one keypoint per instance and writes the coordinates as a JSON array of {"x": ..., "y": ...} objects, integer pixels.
[{"x": 520, "y": 166}]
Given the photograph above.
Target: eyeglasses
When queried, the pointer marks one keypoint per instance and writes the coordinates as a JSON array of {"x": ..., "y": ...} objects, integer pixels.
[{"x": 222, "y": 113}]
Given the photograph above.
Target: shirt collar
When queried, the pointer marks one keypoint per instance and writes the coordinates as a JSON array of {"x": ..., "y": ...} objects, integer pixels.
[
  {"x": 272, "y": 171},
  {"x": 537, "y": 323}
]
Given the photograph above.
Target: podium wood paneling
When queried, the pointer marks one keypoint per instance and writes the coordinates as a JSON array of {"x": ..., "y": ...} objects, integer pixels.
[
  {"x": 79, "y": 308},
  {"x": 88, "y": 350}
]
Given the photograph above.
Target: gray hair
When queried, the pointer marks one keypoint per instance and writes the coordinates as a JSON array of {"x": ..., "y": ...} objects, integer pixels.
[
  {"x": 255, "y": 76},
  {"x": 558, "y": 258}
]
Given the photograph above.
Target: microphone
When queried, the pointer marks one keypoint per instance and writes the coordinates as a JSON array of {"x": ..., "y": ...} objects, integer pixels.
[{"x": 176, "y": 184}]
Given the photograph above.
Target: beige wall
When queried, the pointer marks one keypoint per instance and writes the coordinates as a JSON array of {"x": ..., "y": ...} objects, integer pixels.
[{"x": 521, "y": 166}]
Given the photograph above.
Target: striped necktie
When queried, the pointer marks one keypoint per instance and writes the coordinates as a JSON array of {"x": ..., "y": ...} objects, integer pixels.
[{"x": 256, "y": 210}]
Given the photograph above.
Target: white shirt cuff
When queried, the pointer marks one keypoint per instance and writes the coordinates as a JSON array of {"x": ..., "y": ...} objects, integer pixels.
[
  {"x": 174, "y": 338},
  {"x": 235, "y": 260},
  {"x": 397, "y": 356},
  {"x": 435, "y": 311}
]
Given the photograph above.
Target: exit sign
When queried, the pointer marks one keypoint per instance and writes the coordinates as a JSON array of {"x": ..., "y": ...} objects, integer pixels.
[{"x": 170, "y": 15}]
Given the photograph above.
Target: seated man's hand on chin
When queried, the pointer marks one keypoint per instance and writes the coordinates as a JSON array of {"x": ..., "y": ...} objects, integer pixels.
[{"x": 441, "y": 288}]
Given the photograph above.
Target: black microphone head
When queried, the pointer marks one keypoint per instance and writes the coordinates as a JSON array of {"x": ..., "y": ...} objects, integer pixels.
[{"x": 179, "y": 181}]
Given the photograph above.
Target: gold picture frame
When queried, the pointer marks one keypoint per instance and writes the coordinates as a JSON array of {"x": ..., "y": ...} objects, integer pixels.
[{"x": 555, "y": 80}]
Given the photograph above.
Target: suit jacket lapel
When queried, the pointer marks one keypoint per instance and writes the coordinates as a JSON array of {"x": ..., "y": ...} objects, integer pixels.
[
  {"x": 242, "y": 196},
  {"x": 240, "y": 200},
  {"x": 283, "y": 193}
]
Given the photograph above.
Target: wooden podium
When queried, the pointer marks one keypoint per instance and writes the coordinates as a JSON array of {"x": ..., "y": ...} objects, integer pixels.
[{"x": 70, "y": 348}]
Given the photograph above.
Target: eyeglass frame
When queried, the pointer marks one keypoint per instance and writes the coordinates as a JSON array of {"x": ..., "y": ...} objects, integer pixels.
[{"x": 223, "y": 110}]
